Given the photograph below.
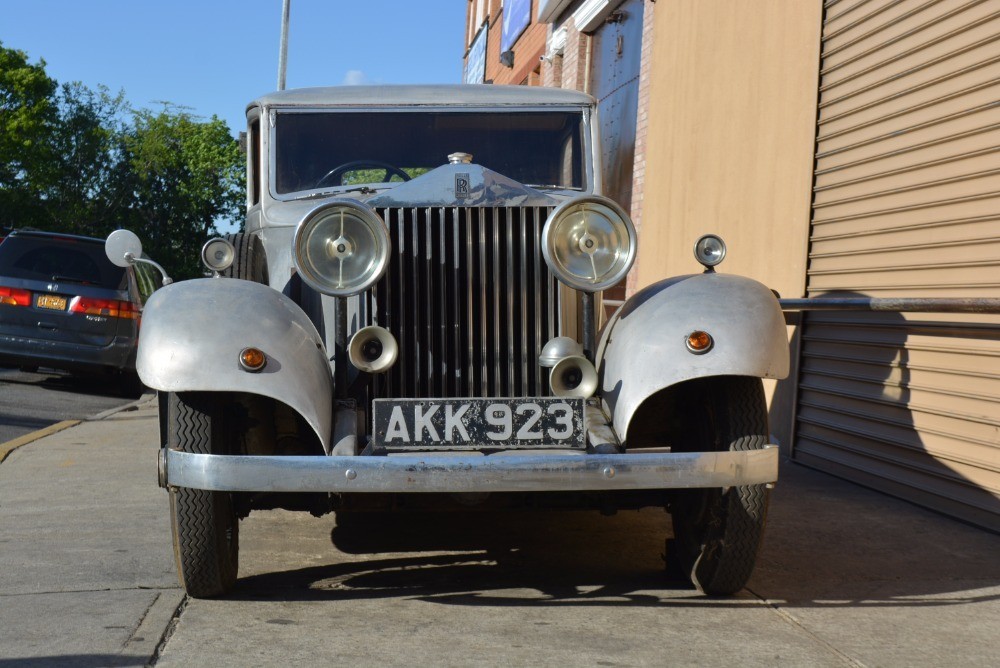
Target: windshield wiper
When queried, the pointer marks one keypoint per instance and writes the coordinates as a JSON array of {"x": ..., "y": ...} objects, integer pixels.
[
  {"x": 71, "y": 279},
  {"x": 552, "y": 187},
  {"x": 364, "y": 190}
]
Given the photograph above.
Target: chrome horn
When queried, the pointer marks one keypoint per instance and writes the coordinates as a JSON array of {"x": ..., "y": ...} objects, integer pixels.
[
  {"x": 373, "y": 349},
  {"x": 573, "y": 376}
]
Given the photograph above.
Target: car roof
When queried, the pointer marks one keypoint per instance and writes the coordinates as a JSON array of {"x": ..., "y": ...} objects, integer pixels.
[
  {"x": 437, "y": 95},
  {"x": 39, "y": 234}
]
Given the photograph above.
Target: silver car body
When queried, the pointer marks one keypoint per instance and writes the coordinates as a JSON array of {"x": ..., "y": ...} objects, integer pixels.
[
  {"x": 200, "y": 352},
  {"x": 643, "y": 347},
  {"x": 192, "y": 332}
]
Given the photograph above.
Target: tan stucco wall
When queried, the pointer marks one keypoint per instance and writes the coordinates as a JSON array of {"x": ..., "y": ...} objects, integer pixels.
[
  {"x": 731, "y": 130},
  {"x": 730, "y": 138}
]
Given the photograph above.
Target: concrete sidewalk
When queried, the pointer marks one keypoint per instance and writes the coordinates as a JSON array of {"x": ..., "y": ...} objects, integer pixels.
[
  {"x": 86, "y": 572},
  {"x": 847, "y": 577}
]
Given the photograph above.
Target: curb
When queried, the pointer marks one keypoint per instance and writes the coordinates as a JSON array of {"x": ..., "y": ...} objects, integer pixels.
[
  {"x": 132, "y": 405},
  {"x": 12, "y": 445}
]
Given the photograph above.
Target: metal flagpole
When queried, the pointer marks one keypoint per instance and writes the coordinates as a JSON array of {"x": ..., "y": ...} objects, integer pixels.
[{"x": 283, "y": 55}]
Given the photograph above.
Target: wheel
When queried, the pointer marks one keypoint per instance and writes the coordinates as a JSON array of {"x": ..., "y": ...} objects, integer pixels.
[
  {"x": 250, "y": 263},
  {"x": 335, "y": 176},
  {"x": 204, "y": 524},
  {"x": 718, "y": 531}
]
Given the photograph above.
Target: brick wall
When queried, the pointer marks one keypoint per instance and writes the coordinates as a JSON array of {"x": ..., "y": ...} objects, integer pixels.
[
  {"x": 552, "y": 68},
  {"x": 528, "y": 48},
  {"x": 575, "y": 58}
]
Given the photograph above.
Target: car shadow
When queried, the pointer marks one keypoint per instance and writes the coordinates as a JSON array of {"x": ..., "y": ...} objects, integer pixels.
[
  {"x": 487, "y": 558},
  {"x": 103, "y": 385},
  {"x": 880, "y": 399},
  {"x": 829, "y": 544}
]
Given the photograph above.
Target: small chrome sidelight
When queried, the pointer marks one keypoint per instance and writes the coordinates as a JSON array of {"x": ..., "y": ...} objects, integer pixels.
[
  {"x": 710, "y": 250},
  {"x": 252, "y": 360},
  {"x": 699, "y": 342},
  {"x": 218, "y": 255}
]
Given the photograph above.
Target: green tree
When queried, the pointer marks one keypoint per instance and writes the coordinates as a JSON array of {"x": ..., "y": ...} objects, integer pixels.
[
  {"x": 28, "y": 116},
  {"x": 180, "y": 175},
  {"x": 79, "y": 192},
  {"x": 82, "y": 161}
]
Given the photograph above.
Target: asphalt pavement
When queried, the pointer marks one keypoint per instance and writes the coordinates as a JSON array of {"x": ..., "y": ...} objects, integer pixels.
[
  {"x": 31, "y": 400},
  {"x": 847, "y": 577}
]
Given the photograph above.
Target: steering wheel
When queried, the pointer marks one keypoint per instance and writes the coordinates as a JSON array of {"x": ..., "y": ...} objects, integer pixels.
[{"x": 334, "y": 176}]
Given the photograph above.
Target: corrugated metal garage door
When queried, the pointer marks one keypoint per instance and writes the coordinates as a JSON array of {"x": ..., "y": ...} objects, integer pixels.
[{"x": 907, "y": 203}]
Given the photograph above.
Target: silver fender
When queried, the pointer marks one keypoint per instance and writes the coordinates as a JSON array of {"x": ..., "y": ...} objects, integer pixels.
[
  {"x": 643, "y": 348},
  {"x": 193, "y": 331}
]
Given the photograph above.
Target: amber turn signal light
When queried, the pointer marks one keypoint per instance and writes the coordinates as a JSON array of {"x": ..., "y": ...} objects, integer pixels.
[
  {"x": 252, "y": 359},
  {"x": 699, "y": 342}
]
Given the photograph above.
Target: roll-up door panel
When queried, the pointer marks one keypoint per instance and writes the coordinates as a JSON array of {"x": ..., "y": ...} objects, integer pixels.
[
  {"x": 927, "y": 51},
  {"x": 924, "y": 25},
  {"x": 980, "y": 206},
  {"x": 921, "y": 142},
  {"x": 965, "y": 157},
  {"x": 907, "y": 204},
  {"x": 890, "y": 82},
  {"x": 937, "y": 105},
  {"x": 981, "y": 176}
]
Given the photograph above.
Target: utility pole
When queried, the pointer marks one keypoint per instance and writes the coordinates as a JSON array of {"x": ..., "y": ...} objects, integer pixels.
[{"x": 283, "y": 55}]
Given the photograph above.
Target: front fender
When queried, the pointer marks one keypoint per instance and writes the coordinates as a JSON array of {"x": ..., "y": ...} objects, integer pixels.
[
  {"x": 192, "y": 333},
  {"x": 643, "y": 348}
]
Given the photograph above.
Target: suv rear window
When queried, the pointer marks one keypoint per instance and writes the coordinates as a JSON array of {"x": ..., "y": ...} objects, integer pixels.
[{"x": 59, "y": 259}]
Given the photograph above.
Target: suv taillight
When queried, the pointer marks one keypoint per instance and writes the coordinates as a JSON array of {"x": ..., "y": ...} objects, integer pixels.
[
  {"x": 107, "y": 307},
  {"x": 14, "y": 296}
]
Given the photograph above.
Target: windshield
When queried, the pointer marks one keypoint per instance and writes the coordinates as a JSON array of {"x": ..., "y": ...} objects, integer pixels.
[{"x": 329, "y": 149}]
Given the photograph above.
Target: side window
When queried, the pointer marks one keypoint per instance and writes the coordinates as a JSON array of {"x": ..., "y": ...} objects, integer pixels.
[
  {"x": 253, "y": 162},
  {"x": 147, "y": 280}
]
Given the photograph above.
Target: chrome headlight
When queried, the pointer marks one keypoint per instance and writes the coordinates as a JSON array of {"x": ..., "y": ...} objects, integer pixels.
[
  {"x": 710, "y": 250},
  {"x": 218, "y": 254},
  {"x": 341, "y": 248},
  {"x": 589, "y": 243}
]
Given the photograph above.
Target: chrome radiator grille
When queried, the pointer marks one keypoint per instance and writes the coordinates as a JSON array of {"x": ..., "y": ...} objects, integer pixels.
[{"x": 470, "y": 299}]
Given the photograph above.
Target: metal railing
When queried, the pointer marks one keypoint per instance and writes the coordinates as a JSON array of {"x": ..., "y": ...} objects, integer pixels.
[{"x": 895, "y": 304}]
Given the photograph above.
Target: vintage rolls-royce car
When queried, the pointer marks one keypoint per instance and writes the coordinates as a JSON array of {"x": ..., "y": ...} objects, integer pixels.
[{"x": 410, "y": 319}]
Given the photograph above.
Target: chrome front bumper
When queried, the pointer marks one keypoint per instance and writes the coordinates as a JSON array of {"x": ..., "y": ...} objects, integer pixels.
[{"x": 503, "y": 472}]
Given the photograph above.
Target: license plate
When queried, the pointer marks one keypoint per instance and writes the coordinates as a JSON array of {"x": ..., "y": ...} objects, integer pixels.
[
  {"x": 51, "y": 302},
  {"x": 466, "y": 424}
]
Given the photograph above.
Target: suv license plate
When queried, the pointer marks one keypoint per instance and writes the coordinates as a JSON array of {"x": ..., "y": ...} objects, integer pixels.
[
  {"x": 51, "y": 302},
  {"x": 466, "y": 424}
]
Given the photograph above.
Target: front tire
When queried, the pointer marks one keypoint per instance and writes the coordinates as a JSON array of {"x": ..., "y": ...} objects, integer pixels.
[
  {"x": 718, "y": 531},
  {"x": 204, "y": 524}
]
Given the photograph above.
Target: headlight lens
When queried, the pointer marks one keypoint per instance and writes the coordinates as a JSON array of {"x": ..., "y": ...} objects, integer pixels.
[
  {"x": 218, "y": 254},
  {"x": 341, "y": 248},
  {"x": 710, "y": 250},
  {"x": 589, "y": 243}
]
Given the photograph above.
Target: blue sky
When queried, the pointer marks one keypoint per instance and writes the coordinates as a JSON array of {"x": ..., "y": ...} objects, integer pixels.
[{"x": 214, "y": 56}]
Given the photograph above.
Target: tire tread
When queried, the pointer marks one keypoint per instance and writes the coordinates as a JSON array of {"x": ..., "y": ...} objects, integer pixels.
[
  {"x": 728, "y": 551},
  {"x": 205, "y": 568}
]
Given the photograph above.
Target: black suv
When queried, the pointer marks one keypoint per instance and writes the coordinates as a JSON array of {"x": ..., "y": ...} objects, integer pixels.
[{"x": 64, "y": 305}]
